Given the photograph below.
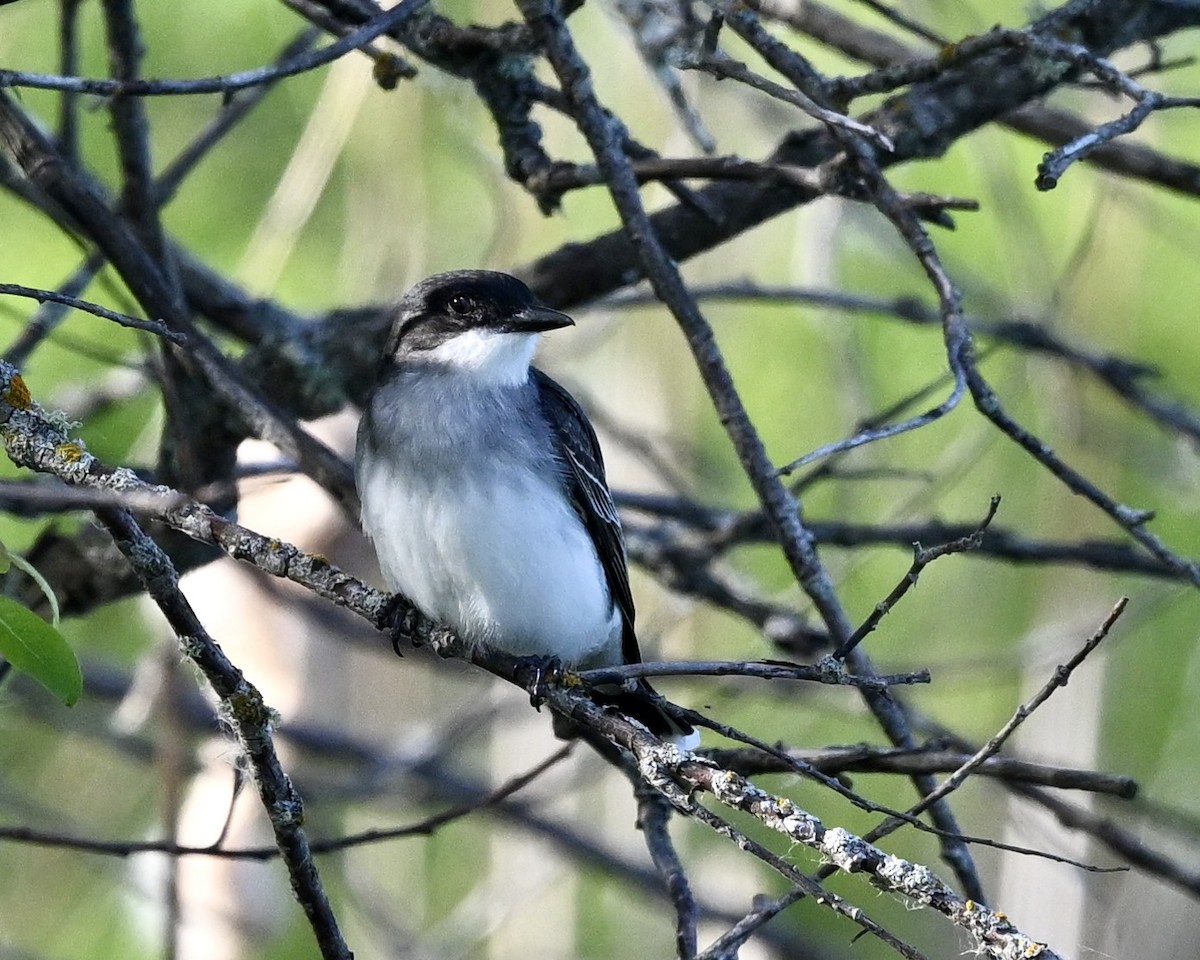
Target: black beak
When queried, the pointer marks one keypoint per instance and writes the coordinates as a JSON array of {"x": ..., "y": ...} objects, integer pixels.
[{"x": 536, "y": 319}]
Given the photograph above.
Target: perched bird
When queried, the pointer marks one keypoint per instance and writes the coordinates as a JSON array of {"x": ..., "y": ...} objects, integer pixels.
[{"x": 483, "y": 487}]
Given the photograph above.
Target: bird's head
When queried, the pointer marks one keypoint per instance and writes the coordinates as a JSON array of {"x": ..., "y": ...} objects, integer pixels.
[{"x": 475, "y": 321}]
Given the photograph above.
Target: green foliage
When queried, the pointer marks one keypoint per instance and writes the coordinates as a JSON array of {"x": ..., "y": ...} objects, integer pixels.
[{"x": 36, "y": 648}]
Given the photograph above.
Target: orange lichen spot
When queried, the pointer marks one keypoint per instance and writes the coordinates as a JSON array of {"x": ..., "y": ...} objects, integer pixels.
[
  {"x": 17, "y": 395},
  {"x": 70, "y": 451}
]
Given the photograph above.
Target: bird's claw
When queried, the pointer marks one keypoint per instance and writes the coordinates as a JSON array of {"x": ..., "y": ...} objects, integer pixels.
[
  {"x": 441, "y": 641},
  {"x": 535, "y": 674},
  {"x": 403, "y": 621}
]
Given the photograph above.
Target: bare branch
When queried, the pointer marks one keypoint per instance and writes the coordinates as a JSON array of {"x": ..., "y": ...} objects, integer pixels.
[
  {"x": 726, "y": 68},
  {"x": 654, "y": 814},
  {"x": 666, "y": 767},
  {"x": 156, "y": 327},
  {"x": 250, "y": 717},
  {"x": 922, "y": 557},
  {"x": 1061, "y": 675},
  {"x": 386, "y": 21},
  {"x": 929, "y": 759},
  {"x": 763, "y": 670}
]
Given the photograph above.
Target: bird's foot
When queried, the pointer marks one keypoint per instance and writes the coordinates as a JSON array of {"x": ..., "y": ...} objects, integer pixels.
[
  {"x": 403, "y": 618},
  {"x": 535, "y": 674},
  {"x": 441, "y": 641}
]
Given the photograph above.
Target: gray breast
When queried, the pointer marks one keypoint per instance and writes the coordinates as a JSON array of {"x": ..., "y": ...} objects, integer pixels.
[{"x": 438, "y": 423}]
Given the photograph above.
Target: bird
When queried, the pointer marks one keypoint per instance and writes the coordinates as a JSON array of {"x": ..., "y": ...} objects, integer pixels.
[{"x": 483, "y": 488}]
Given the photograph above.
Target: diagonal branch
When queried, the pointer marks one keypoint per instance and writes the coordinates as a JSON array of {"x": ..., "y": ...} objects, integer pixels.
[
  {"x": 251, "y": 718},
  {"x": 81, "y": 205}
]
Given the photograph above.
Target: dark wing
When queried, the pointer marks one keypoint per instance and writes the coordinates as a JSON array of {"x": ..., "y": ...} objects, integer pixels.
[{"x": 588, "y": 489}]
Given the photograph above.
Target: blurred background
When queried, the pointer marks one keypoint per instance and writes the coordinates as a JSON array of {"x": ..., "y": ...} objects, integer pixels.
[{"x": 336, "y": 193}]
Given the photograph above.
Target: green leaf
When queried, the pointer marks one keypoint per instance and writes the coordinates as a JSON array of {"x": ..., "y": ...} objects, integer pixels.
[{"x": 34, "y": 647}]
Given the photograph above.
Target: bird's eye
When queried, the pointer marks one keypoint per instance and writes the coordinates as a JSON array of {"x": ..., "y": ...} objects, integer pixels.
[{"x": 460, "y": 305}]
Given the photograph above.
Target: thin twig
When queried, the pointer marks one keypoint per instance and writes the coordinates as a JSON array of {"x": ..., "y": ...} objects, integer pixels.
[
  {"x": 1060, "y": 678},
  {"x": 761, "y": 669},
  {"x": 1097, "y": 825},
  {"x": 875, "y": 434},
  {"x": 726, "y": 68},
  {"x": 389, "y": 67},
  {"x": 22, "y": 498},
  {"x": 922, "y": 557},
  {"x": 388, "y": 20},
  {"x": 131, "y": 131},
  {"x": 421, "y": 828},
  {"x": 156, "y": 327},
  {"x": 933, "y": 758},
  {"x": 727, "y": 945}
]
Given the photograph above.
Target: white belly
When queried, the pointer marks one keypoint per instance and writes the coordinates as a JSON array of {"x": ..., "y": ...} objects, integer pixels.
[{"x": 502, "y": 560}]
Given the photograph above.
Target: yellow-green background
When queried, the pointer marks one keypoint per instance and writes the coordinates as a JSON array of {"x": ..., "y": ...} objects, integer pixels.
[{"x": 418, "y": 187}]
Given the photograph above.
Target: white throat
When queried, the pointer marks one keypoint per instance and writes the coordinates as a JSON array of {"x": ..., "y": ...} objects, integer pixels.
[{"x": 493, "y": 357}]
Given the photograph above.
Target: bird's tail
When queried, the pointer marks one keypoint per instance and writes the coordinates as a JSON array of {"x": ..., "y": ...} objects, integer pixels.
[{"x": 643, "y": 704}]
